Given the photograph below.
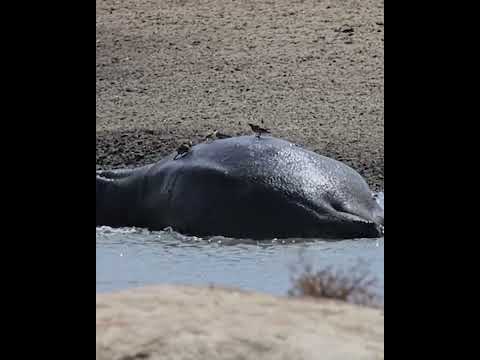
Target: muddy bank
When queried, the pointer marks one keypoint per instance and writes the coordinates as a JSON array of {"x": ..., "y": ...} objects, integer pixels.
[
  {"x": 167, "y": 71},
  {"x": 176, "y": 322}
]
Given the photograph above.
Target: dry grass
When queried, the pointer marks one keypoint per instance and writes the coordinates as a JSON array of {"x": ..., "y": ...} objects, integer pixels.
[{"x": 355, "y": 285}]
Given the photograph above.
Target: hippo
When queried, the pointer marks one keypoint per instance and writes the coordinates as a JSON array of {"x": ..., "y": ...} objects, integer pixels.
[{"x": 242, "y": 187}]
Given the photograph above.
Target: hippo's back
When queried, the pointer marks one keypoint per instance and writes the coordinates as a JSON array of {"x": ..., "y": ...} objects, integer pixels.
[
  {"x": 256, "y": 187},
  {"x": 282, "y": 165}
]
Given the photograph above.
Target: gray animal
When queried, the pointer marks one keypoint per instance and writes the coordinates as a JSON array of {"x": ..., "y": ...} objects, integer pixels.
[{"x": 242, "y": 187}]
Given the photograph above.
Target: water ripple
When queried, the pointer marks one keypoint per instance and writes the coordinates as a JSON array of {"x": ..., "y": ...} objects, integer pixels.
[{"x": 129, "y": 257}]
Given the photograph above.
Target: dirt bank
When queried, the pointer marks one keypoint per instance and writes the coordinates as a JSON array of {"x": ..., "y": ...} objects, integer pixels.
[
  {"x": 167, "y": 71},
  {"x": 183, "y": 323}
]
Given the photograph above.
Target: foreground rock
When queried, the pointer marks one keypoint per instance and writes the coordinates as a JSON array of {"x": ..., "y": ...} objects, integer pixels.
[{"x": 172, "y": 322}]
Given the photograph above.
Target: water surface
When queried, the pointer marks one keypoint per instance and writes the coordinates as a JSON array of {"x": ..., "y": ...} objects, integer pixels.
[{"x": 135, "y": 257}]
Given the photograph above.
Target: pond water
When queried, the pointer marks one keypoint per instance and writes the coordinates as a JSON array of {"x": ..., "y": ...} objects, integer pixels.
[{"x": 130, "y": 257}]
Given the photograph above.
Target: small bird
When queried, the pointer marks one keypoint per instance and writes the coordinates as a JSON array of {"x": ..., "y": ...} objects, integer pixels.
[
  {"x": 211, "y": 135},
  {"x": 216, "y": 135},
  {"x": 221, "y": 136},
  {"x": 258, "y": 130},
  {"x": 183, "y": 149}
]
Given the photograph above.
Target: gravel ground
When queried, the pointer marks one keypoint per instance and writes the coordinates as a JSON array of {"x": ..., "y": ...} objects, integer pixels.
[{"x": 170, "y": 71}]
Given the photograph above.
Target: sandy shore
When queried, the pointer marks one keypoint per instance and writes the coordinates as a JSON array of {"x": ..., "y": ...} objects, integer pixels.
[
  {"x": 167, "y": 71},
  {"x": 190, "y": 323}
]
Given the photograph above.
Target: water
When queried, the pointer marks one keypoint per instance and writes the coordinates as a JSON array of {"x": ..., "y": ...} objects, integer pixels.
[{"x": 135, "y": 257}]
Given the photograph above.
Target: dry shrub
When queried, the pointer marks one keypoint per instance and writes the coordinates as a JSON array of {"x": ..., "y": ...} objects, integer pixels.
[{"x": 354, "y": 285}]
